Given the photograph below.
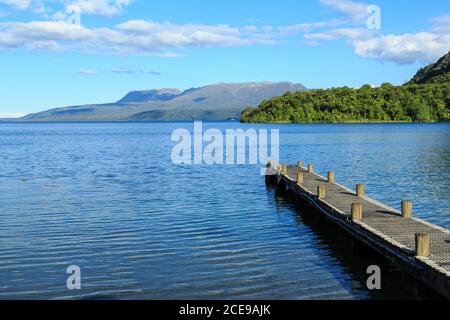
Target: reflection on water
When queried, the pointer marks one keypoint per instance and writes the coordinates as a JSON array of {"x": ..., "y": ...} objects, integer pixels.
[{"x": 107, "y": 198}]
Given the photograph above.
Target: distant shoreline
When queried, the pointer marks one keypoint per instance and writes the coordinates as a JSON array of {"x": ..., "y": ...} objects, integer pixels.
[
  {"x": 6, "y": 121},
  {"x": 350, "y": 122}
]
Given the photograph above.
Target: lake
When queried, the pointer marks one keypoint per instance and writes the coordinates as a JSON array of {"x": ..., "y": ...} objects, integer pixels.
[{"x": 107, "y": 198}]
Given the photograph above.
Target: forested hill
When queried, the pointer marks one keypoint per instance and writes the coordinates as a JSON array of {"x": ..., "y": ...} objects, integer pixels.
[
  {"x": 438, "y": 72},
  {"x": 426, "y": 98}
]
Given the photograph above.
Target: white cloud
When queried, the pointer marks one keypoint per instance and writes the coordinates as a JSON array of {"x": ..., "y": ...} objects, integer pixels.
[
  {"x": 88, "y": 72},
  {"x": 441, "y": 24},
  {"x": 98, "y": 7},
  {"x": 122, "y": 70},
  {"x": 334, "y": 34},
  {"x": 107, "y": 8},
  {"x": 168, "y": 55},
  {"x": 18, "y": 4},
  {"x": 308, "y": 27},
  {"x": 173, "y": 35},
  {"x": 133, "y": 37},
  {"x": 9, "y": 41},
  {"x": 125, "y": 70},
  {"x": 46, "y": 30},
  {"x": 141, "y": 37},
  {"x": 141, "y": 26},
  {"x": 426, "y": 46},
  {"x": 152, "y": 73},
  {"x": 45, "y": 45},
  {"x": 355, "y": 11},
  {"x": 405, "y": 48}
]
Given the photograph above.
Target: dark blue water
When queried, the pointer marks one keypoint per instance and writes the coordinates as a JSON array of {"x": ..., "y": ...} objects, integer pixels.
[{"x": 106, "y": 197}]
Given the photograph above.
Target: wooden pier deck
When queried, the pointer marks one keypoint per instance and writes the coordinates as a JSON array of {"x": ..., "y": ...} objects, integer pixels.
[{"x": 421, "y": 248}]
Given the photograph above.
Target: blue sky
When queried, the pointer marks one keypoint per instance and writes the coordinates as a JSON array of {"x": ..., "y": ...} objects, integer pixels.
[{"x": 50, "y": 58}]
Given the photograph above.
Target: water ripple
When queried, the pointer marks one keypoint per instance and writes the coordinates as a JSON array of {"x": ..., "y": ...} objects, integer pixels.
[{"x": 107, "y": 198}]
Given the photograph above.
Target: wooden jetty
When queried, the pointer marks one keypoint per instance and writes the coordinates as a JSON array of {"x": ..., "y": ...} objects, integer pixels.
[{"x": 419, "y": 247}]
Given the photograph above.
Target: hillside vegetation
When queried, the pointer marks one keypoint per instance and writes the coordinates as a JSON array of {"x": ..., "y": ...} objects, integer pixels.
[
  {"x": 438, "y": 72},
  {"x": 426, "y": 98}
]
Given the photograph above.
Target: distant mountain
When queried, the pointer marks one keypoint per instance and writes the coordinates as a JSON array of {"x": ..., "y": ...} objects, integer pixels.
[
  {"x": 438, "y": 72},
  {"x": 150, "y": 95},
  {"x": 213, "y": 102}
]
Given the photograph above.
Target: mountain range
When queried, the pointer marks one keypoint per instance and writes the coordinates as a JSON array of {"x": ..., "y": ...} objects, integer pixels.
[{"x": 210, "y": 103}]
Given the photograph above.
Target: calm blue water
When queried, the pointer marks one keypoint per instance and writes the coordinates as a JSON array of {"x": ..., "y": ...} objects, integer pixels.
[{"x": 107, "y": 198}]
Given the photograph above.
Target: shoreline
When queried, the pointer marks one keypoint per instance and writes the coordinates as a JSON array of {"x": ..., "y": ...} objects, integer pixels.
[
  {"x": 349, "y": 122},
  {"x": 3, "y": 121}
]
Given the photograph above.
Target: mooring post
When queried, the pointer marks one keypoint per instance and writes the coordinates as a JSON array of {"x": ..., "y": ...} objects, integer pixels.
[
  {"x": 331, "y": 177},
  {"x": 356, "y": 212},
  {"x": 422, "y": 245},
  {"x": 321, "y": 192},
  {"x": 299, "y": 164},
  {"x": 310, "y": 168},
  {"x": 300, "y": 178},
  {"x": 360, "y": 190},
  {"x": 284, "y": 169},
  {"x": 407, "y": 209}
]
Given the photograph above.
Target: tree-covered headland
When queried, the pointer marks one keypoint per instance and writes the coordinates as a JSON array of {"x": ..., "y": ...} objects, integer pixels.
[{"x": 426, "y": 98}]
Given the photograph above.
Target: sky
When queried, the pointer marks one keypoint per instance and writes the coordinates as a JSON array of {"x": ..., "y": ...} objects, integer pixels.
[{"x": 56, "y": 53}]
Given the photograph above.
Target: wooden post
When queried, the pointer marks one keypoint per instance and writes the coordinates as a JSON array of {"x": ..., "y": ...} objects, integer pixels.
[
  {"x": 422, "y": 245},
  {"x": 360, "y": 190},
  {"x": 310, "y": 168},
  {"x": 407, "y": 209},
  {"x": 284, "y": 169},
  {"x": 356, "y": 212},
  {"x": 331, "y": 177},
  {"x": 321, "y": 192},
  {"x": 300, "y": 178},
  {"x": 300, "y": 164}
]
